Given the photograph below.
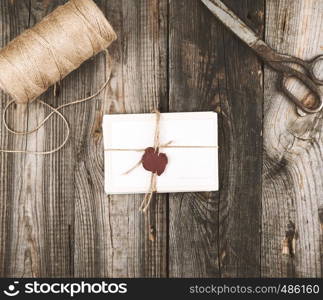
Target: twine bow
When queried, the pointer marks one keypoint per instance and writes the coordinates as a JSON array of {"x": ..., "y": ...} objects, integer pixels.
[{"x": 153, "y": 179}]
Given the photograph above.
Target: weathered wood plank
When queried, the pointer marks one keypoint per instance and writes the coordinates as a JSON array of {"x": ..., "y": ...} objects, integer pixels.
[
  {"x": 293, "y": 162},
  {"x": 111, "y": 235},
  {"x": 218, "y": 234},
  {"x": 35, "y": 189},
  {"x": 60, "y": 220}
]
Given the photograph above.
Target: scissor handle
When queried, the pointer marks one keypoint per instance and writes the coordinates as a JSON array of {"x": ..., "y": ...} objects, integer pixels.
[
  {"x": 278, "y": 62},
  {"x": 307, "y": 81},
  {"x": 311, "y": 69},
  {"x": 308, "y": 66}
]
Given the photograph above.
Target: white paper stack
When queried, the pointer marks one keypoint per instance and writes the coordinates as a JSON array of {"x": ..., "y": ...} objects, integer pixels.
[{"x": 188, "y": 169}]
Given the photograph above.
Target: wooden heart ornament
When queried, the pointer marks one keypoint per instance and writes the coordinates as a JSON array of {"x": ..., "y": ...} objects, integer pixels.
[{"x": 154, "y": 161}]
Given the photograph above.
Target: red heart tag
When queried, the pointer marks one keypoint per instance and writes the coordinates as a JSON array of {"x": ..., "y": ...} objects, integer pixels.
[{"x": 154, "y": 161}]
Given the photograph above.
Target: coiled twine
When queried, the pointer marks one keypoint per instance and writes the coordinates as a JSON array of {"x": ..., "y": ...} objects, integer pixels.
[{"x": 47, "y": 52}]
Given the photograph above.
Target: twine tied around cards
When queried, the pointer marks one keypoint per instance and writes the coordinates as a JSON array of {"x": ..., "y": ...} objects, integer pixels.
[
  {"x": 46, "y": 53},
  {"x": 157, "y": 146}
]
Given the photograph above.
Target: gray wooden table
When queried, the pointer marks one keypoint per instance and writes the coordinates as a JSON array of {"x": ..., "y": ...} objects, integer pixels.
[{"x": 56, "y": 220}]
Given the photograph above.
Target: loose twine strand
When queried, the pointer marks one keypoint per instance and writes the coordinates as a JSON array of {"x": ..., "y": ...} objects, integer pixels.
[
  {"x": 44, "y": 121},
  {"x": 46, "y": 53}
]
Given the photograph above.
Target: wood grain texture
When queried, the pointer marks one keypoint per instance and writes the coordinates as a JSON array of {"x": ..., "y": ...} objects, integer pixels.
[
  {"x": 36, "y": 189},
  {"x": 115, "y": 227},
  {"x": 57, "y": 222},
  {"x": 292, "y": 185},
  {"x": 218, "y": 234}
]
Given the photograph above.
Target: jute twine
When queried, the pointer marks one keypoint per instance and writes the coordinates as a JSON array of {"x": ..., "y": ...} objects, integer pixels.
[{"x": 49, "y": 51}]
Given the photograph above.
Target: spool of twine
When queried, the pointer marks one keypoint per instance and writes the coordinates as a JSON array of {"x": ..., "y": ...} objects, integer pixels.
[{"x": 47, "y": 52}]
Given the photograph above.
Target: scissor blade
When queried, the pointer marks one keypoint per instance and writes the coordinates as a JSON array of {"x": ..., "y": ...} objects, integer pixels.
[{"x": 231, "y": 21}]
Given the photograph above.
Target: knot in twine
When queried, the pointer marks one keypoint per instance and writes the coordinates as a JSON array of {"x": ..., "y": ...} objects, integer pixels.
[
  {"x": 49, "y": 51},
  {"x": 157, "y": 146}
]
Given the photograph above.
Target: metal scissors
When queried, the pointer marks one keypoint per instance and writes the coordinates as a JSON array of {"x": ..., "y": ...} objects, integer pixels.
[{"x": 272, "y": 58}]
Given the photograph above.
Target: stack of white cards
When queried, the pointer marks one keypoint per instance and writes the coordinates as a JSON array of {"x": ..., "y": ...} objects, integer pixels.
[{"x": 194, "y": 168}]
